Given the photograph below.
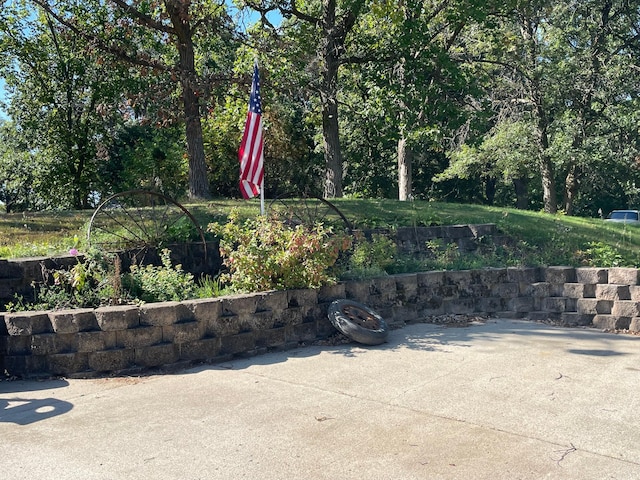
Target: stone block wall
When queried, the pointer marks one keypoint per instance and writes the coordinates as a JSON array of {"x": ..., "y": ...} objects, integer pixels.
[
  {"x": 17, "y": 275},
  {"x": 88, "y": 342}
]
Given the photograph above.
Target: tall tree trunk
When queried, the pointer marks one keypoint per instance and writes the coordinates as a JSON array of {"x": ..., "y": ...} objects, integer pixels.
[
  {"x": 405, "y": 162},
  {"x": 332, "y": 46},
  {"x": 570, "y": 189},
  {"x": 522, "y": 194},
  {"x": 529, "y": 32},
  {"x": 198, "y": 183},
  {"x": 490, "y": 189},
  {"x": 548, "y": 184},
  {"x": 332, "y": 152},
  {"x": 549, "y": 196},
  {"x": 405, "y": 154}
]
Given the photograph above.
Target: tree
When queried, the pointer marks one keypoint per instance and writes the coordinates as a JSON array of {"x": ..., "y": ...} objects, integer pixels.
[
  {"x": 18, "y": 171},
  {"x": 62, "y": 100},
  {"x": 140, "y": 33},
  {"x": 566, "y": 68},
  {"x": 427, "y": 83},
  {"x": 597, "y": 81},
  {"x": 331, "y": 22},
  {"x": 507, "y": 154},
  {"x": 142, "y": 156}
]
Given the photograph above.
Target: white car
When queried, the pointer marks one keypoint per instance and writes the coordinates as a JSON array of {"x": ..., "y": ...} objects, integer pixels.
[{"x": 624, "y": 216}]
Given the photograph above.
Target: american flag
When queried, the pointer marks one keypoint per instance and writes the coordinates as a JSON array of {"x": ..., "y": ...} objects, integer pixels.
[{"x": 250, "y": 153}]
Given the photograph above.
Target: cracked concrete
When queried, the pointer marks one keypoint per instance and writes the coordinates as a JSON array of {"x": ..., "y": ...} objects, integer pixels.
[{"x": 502, "y": 400}]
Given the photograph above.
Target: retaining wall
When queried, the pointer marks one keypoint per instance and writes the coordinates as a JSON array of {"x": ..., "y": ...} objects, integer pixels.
[
  {"x": 130, "y": 338},
  {"x": 17, "y": 275}
]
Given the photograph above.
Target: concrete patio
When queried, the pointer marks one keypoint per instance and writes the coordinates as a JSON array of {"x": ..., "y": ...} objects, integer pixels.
[{"x": 504, "y": 399}]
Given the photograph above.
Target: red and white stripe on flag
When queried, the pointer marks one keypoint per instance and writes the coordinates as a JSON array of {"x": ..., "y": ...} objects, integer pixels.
[{"x": 250, "y": 153}]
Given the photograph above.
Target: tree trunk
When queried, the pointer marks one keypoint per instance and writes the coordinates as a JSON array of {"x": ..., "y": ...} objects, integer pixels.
[
  {"x": 548, "y": 185},
  {"x": 331, "y": 49},
  {"x": 198, "y": 181},
  {"x": 529, "y": 32},
  {"x": 570, "y": 189},
  {"x": 405, "y": 161},
  {"x": 522, "y": 194},
  {"x": 549, "y": 196},
  {"x": 332, "y": 152},
  {"x": 490, "y": 190}
]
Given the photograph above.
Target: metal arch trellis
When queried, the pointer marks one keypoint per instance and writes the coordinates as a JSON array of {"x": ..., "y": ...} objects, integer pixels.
[
  {"x": 138, "y": 220},
  {"x": 303, "y": 209}
]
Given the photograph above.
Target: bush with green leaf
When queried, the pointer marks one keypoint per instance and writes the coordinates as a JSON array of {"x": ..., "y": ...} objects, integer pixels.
[
  {"x": 268, "y": 254},
  {"x": 599, "y": 253},
  {"x": 96, "y": 280},
  {"x": 88, "y": 283},
  {"x": 151, "y": 283},
  {"x": 370, "y": 258}
]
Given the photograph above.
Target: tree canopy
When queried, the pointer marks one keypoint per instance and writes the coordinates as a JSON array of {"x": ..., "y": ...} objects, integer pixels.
[{"x": 526, "y": 104}]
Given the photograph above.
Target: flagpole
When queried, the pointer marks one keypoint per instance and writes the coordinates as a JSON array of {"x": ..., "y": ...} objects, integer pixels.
[
  {"x": 262, "y": 198},
  {"x": 255, "y": 62}
]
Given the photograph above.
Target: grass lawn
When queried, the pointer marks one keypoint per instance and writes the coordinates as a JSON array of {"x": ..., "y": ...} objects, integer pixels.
[{"x": 549, "y": 239}]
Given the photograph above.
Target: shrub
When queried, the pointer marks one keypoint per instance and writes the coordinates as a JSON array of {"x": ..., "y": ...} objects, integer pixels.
[
  {"x": 89, "y": 283},
  {"x": 601, "y": 254},
  {"x": 370, "y": 258},
  {"x": 150, "y": 283},
  {"x": 266, "y": 254},
  {"x": 97, "y": 281}
]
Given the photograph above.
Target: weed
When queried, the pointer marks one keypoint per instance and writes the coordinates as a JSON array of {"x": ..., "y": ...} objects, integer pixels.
[
  {"x": 602, "y": 254},
  {"x": 208, "y": 287},
  {"x": 96, "y": 280},
  {"x": 150, "y": 283}
]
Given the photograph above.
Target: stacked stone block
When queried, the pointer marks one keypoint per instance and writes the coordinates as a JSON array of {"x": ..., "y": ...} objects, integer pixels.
[
  {"x": 87, "y": 342},
  {"x": 17, "y": 275},
  {"x": 522, "y": 291},
  {"x": 465, "y": 237},
  {"x": 617, "y": 308}
]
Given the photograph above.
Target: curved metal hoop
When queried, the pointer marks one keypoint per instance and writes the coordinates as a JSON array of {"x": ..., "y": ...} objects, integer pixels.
[
  {"x": 139, "y": 220},
  {"x": 308, "y": 210}
]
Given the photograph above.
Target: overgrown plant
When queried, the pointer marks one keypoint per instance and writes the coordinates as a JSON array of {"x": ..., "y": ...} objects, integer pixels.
[
  {"x": 266, "y": 254},
  {"x": 151, "y": 283},
  {"x": 89, "y": 283},
  {"x": 208, "y": 287},
  {"x": 599, "y": 253},
  {"x": 96, "y": 280},
  {"x": 370, "y": 258}
]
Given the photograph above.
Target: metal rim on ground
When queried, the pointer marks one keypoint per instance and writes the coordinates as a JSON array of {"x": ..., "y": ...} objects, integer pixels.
[{"x": 358, "y": 322}]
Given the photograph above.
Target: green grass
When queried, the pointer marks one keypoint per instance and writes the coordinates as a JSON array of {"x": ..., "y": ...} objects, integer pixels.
[
  {"x": 31, "y": 234},
  {"x": 37, "y": 234},
  {"x": 542, "y": 238},
  {"x": 557, "y": 239}
]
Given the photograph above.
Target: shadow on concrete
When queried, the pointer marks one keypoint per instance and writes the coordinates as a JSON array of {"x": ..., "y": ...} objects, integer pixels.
[
  {"x": 597, "y": 353},
  {"x": 22, "y": 410},
  {"x": 15, "y": 386},
  {"x": 437, "y": 337}
]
